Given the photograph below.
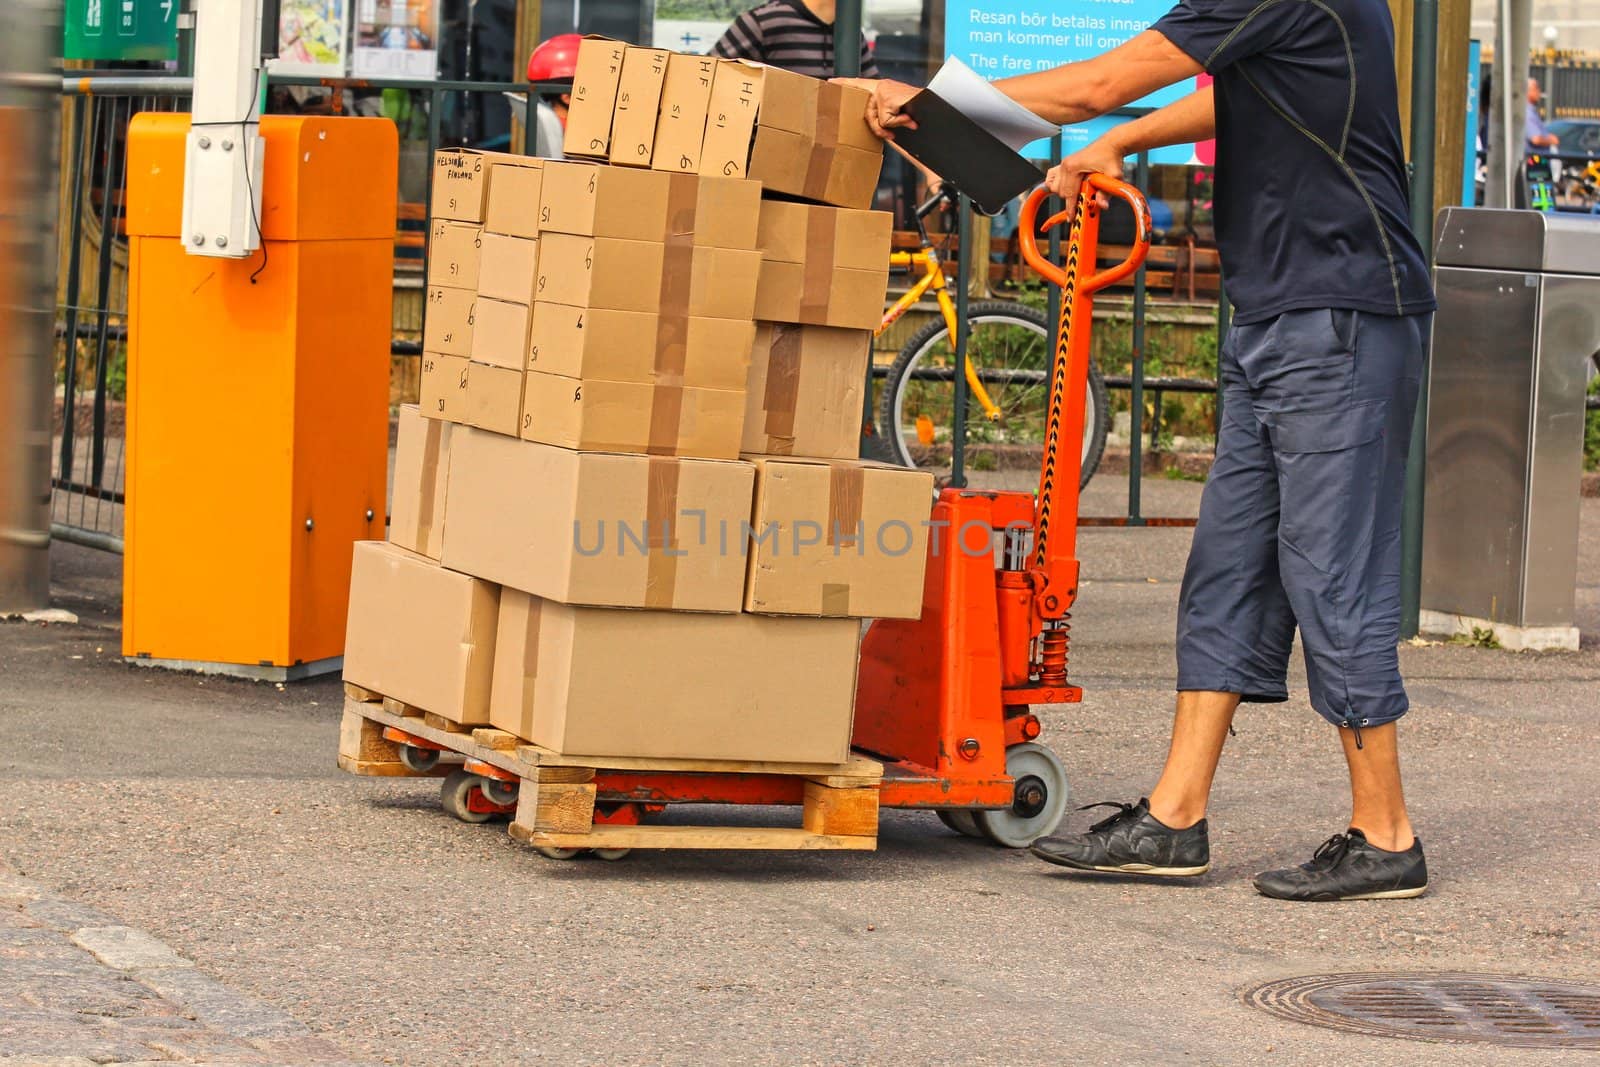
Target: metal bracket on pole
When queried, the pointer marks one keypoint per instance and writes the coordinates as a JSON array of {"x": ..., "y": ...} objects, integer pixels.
[{"x": 222, "y": 164}]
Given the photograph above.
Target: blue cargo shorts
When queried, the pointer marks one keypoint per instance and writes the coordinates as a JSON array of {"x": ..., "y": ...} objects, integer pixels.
[{"x": 1300, "y": 518}]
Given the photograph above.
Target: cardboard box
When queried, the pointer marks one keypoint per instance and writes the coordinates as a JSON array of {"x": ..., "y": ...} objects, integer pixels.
[
  {"x": 450, "y": 317},
  {"x": 421, "y": 470},
  {"x": 463, "y": 177},
  {"x": 512, "y": 207},
  {"x": 747, "y": 102},
  {"x": 633, "y": 346},
  {"x": 633, "y": 121},
  {"x": 420, "y": 633},
  {"x": 841, "y": 538},
  {"x": 681, "y": 127},
  {"x": 657, "y": 420},
  {"x": 803, "y": 395},
  {"x": 501, "y": 335},
  {"x": 598, "y": 528},
  {"x": 581, "y": 198},
  {"x": 599, "y": 682},
  {"x": 453, "y": 249},
  {"x": 822, "y": 265},
  {"x": 619, "y": 275},
  {"x": 508, "y": 268},
  {"x": 442, "y": 391},
  {"x": 493, "y": 398},
  {"x": 594, "y": 96}
]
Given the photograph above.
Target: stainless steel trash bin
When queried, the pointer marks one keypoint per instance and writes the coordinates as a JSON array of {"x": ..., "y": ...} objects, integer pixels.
[{"x": 1518, "y": 322}]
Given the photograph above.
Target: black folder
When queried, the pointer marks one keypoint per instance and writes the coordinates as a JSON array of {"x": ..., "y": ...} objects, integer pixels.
[{"x": 964, "y": 154}]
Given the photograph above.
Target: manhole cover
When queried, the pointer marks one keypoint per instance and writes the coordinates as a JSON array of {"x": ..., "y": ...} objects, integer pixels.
[{"x": 1492, "y": 1008}]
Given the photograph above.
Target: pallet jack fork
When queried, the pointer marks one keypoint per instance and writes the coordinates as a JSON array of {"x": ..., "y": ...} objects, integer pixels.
[{"x": 945, "y": 700}]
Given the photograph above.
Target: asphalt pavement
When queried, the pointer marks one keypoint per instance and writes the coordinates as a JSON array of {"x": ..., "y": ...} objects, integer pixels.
[{"x": 205, "y": 816}]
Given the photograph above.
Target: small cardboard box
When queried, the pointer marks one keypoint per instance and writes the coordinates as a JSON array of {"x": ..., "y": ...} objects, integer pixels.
[
  {"x": 594, "y": 97},
  {"x": 803, "y": 395},
  {"x": 463, "y": 177},
  {"x": 842, "y": 538},
  {"x": 419, "y": 633},
  {"x": 453, "y": 250},
  {"x": 681, "y": 128},
  {"x": 581, "y": 198},
  {"x": 736, "y": 687},
  {"x": 657, "y": 420},
  {"x": 501, "y": 335},
  {"x": 513, "y": 203},
  {"x": 508, "y": 268},
  {"x": 633, "y": 346},
  {"x": 451, "y": 314},
  {"x": 493, "y": 398},
  {"x": 604, "y": 272},
  {"x": 822, "y": 265},
  {"x": 598, "y": 528},
  {"x": 443, "y": 386},
  {"x": 421, "y": 468},
  {"x": 633, "y": 121},
  {"x": 748, "y": 101}
]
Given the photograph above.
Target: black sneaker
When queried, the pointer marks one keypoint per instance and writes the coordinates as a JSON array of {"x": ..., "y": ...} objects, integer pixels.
[
  {"x": 1347, "y": 867},
  {"x": 1131, "y": 842}
]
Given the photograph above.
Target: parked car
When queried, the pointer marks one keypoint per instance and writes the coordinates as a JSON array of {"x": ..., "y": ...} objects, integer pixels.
[{"x": 1578, "y": 137}]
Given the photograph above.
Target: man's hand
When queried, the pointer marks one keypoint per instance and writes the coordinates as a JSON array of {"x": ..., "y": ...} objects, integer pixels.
[
  {"x": 883, "y": 107},
  {"x": 1066, "y": 178}
]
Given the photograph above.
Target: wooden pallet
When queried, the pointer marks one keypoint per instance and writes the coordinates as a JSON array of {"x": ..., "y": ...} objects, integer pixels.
[{"x": 557, "y": 797}]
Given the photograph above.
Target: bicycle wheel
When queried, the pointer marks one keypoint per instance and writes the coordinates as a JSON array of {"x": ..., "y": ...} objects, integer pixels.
[{"x": 1009, "y": 344}]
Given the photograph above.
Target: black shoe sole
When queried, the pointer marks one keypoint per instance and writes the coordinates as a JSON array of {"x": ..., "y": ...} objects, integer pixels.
[
  {"x": 1384, "y": 894},
  {"x": 1127, "y": 868}
]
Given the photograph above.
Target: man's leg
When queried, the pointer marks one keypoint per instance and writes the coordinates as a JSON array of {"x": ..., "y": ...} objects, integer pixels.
[
  {"x": 1199, "y": 729},
  {"x": 1377, "y": 804}
]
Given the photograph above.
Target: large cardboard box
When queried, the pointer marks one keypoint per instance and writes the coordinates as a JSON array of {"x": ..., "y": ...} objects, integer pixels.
[
  {"x": 619, "y": 275},
  {"x": 463, "y": 178},
  {"x": 442, "y": 391},
  {"x": 421, "y": 470},
  {"x": 657, "y": 420},
  {"x": 453, "y": 250},
  {"x": 492, "y": 399},
  {"x": 594, "y": 96},
  {"x": 500, "y": 337},
  {"x": 600, "y": 682},
  {"x": 508, "y": 267},
  {"x": 803, "y": 395},
  {"x": 681, "y": 128},
  {"x": 595, "y": 527},
  {"x": 419, "y": 633},
  {"x": 634, "y": 346},
  {"x": 636, "y": 205},
  {"x": 633, "y": 122},
  {"x": 512, "y": 207},
  {"x": 450, "y": 316},
  {"x": 838, "y": 538},
  {"x": 822, "y": 265}
]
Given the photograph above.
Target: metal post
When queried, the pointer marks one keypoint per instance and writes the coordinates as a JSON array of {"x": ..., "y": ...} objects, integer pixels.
[
  {"x": 958, "y": 421},
  {"x": 1424, "y": 78},
  {"x": 1141, "y": 178},
  {"x": 847, "y": 39},
  {"x": 30, "y": 33}
]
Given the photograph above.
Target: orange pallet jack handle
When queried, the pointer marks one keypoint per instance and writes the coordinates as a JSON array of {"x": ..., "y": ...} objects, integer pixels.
[{"x": 1054, "y": 571}]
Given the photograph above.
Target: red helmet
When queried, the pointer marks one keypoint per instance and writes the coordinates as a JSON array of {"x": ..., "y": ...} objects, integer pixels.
[{"x": 555, "y": 60}]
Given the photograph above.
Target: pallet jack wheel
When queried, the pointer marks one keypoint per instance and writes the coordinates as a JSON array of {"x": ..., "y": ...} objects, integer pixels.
[
  {"x": 1038, "y": 803},
  {"x": 453, "y": 796},
  {"x": 961, "y": 821},
  {"x": 421, "y": 760},
  {"x": 550, "y": 852},
  {"x": 611, "y": 854},
  {"x": 499, "y": 791}
]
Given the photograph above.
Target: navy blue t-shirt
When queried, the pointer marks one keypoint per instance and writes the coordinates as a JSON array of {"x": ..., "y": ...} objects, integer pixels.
[{"x": 1312, "y": 208}]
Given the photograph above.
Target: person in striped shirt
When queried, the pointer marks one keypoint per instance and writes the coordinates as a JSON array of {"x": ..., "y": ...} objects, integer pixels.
[{"x": 796, "y": 35}]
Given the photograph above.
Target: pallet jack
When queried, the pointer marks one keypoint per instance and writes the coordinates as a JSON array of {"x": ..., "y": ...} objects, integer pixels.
[{"x": 943, "y": 702}]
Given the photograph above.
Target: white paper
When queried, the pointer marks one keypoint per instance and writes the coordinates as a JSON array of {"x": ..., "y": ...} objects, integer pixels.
[{"x": 966, "y": 90}]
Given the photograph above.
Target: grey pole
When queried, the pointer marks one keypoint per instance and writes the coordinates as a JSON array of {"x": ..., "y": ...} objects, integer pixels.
[
  {"x": 30, "y": 34},
  {"x": 1424, "y": 106},
  {"x": 1507, "y": 108}
]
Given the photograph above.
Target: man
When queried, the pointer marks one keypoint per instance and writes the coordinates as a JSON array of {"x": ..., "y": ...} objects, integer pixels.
[
  {"x": 796, "y": 35},
  {"x": 1538, "y": 134},
  {"x": 1300, "y": 520}
]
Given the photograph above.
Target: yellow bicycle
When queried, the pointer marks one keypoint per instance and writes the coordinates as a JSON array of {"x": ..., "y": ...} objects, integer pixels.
[{"x": 1008, "y": 354}]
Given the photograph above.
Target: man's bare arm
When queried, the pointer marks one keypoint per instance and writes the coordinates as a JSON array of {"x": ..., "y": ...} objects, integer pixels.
[
  {"x": 1076, "y": 92},
  {"x": 1184, "y": 121}
]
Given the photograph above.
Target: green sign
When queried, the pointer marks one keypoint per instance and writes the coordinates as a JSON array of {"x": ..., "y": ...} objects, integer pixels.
[{"x": 121, "y": 29}]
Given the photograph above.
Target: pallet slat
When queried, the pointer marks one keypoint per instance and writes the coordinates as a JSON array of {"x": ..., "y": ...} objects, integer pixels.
[{"x": 705, "y": 837}]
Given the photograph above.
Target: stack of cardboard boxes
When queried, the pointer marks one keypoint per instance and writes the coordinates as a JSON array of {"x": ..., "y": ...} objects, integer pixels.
[{"x": 627, "y": 516}]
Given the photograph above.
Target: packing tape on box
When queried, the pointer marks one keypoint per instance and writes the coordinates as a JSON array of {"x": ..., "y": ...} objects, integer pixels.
[
  {"x": 782, "y": 394},
  {"x": 661, "y": 513},
  {"x": 836, "y": 599},
  {"x": 846, "y": 487},
  {"x": 821, "y": 250},
  {"x": 432, "y": 444},
  {"x": 820, "y": 164},
  {"x": 530, "y": 662},
  {"x": 683, "y": 202},
  {"x": 672, "y": 336}
]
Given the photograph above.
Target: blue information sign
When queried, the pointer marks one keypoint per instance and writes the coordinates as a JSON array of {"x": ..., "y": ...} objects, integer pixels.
[
  {"x": 1469, "y": 169},
  {"x": 1001, "y": 38}
]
